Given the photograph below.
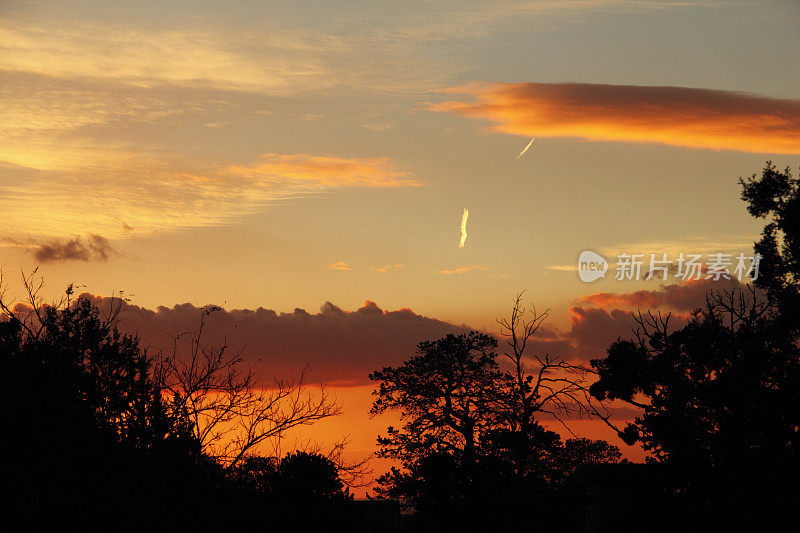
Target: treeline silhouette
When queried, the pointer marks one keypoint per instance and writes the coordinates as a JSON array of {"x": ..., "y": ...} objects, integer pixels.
[
  {"x": 721, "y": 395},
  {"x": 719, "y": 400},
  {"x": 99, "y": 432}
]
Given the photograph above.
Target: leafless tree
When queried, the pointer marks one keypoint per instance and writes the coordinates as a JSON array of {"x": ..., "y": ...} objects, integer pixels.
[
  {"x": 232, "y": 413},
  {"x": 543, "y": 384}
]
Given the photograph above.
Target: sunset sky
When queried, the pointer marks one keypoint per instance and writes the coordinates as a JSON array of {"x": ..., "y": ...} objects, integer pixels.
[{"x": 281, "y": 155}]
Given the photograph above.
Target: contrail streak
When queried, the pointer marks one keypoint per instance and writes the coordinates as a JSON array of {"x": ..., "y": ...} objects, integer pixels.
[
  {"x": 526, "y": 149},
  {"x": 463, "y": 228}
]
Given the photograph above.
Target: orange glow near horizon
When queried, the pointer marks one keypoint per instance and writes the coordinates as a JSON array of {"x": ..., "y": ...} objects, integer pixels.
[{"x": 362, "y": 431}]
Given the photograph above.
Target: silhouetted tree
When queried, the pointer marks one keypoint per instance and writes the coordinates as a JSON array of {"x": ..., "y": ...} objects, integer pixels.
[
  {"x": 302, "y": 491},
  {"x": 447, "y": 397},
  {"x": 446, "y": 393},
  {"x": 232, "y": 413},
  {"x": 578, "y": 453},
  {"x": 311, "y": 478},
  {"x": 720, "y": 396},
  {"x": 354, "y": 473},
  {"x": 298, "y": 478},
  {"x": 471, "y": 438},
  {"x": 89, "y": 436},
  {"x": 539, "y": 386},
  {"x": 434, "y": 487},
  {"x": 775, "y": 196},
  {"x": 105, "y": 433}
]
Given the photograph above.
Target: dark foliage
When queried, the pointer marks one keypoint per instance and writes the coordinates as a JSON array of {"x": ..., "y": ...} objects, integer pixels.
[
  {"x": 88, "y": 435},
  {"x": 301, "y": 491},
  {"x": 775, "y": 197},
  {"x": 462, "y": 438},
  {"x": 92, "y": 438},
  {"x": 446, "y": 394},
  {"x": 721, "y": 396}
]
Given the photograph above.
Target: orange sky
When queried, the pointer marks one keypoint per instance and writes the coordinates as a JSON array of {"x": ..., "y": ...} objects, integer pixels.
[
  {"x": 362, "y": 431},
  {"x": 306, "y": 166}
]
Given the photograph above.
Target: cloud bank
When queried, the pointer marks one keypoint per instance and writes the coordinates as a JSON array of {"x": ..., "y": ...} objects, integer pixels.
[
  {"x": 340, "y": 346},
  {"x": 682, "y": 297},
  {"x": 676, "y": 116},
  {"x": 596, "y": 320}
]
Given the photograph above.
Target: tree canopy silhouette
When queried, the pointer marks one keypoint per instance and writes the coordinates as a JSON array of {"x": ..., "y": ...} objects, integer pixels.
[
  {"x": 775, "y": 196},
  {"x": 302, "y": 491},
  {"x": 471, "y": 439},
  {"x": 102, "y": 430},
  {"x": 446, "y": 392},
  {"x": 720, "y": 396},
  {"x": 91, "y": 435}
]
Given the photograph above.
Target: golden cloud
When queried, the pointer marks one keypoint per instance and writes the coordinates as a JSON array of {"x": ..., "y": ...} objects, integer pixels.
[
  {"x": 688, "y": 245},
  {"x": 124, "y": 195},
  {"x": 87, "y": 158},
  {"x": 676, "y": 116},
  {"x": 386, "y": 268},
  {"x": 147, "y": 57},
  {"x": 339, "y": 265},
  {"x": 562, "y": 268},
  {"x": 326, "y": 171},
  {"x": 463, "y": 269},
  {"x": 685, "y": 296}
]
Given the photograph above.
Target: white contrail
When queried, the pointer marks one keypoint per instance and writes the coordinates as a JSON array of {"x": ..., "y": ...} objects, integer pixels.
[
  {"x": 526, "y": 149},
  {"x": 463, "y": 228}
]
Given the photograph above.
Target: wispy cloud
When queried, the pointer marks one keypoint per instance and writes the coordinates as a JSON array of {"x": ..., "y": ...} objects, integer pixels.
[
  {"x": 463, "y": 269},
  {"x": 326, "y": 171},
  {"x": 386, "y": 268},
  {"x": 154, "y": 193},
  {"x": 146, "y": 56},
  {"x": 563, "y": 268},
  {"x": 339, "y": 265},
  {"x": 677, "y": 116},
  {"x": 686, "y": 245},
  {"x": 81, "y": 156},
  {"x": 281, "y": 53},
  {"x": 279, "y": 57},
  {"x": 464, "y": 217}
]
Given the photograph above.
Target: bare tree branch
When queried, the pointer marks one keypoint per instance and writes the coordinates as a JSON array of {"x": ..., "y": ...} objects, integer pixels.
[
  {"x": 233, "y": 415},
  {"x": 544, "y": 384}
]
